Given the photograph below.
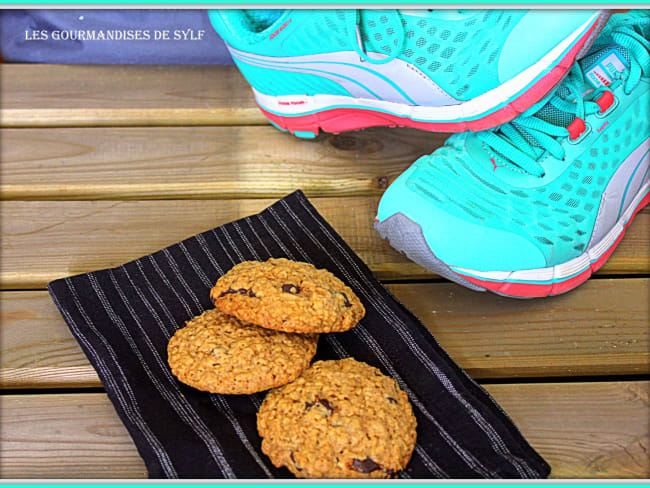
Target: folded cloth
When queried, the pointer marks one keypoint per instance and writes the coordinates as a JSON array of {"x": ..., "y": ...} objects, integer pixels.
[{"x": 124, "y": 317}]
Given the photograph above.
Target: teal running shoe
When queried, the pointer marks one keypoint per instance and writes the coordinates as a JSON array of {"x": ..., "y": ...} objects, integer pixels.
[
  {"x": 442, "y": 70},
  {"x": 534, "y": 207}
]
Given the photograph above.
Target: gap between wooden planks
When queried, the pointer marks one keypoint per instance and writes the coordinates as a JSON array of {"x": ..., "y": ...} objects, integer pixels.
[
  {"x": 583, "y": 430},
  {"x": 49, "y": 95},
  {"x": 485, "y": 334},
  {"x": 202, "y": 162},
  {"x": 46, "y": 240}
]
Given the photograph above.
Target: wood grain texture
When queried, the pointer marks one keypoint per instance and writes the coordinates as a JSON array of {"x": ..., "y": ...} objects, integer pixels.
[
  {"x": 599, "y": 329},
  {"x": 202, "y": 162},
  {"x": 583, "y": 430},
  {"x": 65, "y": 436},
  {"x": 76, "y": 95},
  {"x": 37, "y": 349},
  {"x": 45, "y": 240}
]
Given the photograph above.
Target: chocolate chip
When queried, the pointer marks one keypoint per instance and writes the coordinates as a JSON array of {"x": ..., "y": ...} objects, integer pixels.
[
  {"x": 347, "y": 303},
  {"x": 322, "y": 401},
  {"x": 241, "y": 291},
  {"x": 293, "y": 459},
  {"x": 289, "y": 288},
  {"x": 366, "y": 466},
  {"x": 391, "y": 400},
  {"x": 326, "y": 404}
]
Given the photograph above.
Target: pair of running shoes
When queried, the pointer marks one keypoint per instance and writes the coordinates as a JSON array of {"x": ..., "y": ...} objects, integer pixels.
[{"x": 551, "y": 110}]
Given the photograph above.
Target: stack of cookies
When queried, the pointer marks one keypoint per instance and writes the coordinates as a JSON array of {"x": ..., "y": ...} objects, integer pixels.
[
  {"x": 337, "y": 419},
  {"x": 264, "y": 330}
]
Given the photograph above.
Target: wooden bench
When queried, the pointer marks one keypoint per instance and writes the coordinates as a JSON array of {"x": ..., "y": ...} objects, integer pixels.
[{"x": 102, "y": 164}]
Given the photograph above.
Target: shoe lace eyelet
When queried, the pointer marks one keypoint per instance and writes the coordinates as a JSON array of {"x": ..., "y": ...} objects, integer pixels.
[
  {"x": 580, "y": 136},
  {"x": 608, "y": 103}
]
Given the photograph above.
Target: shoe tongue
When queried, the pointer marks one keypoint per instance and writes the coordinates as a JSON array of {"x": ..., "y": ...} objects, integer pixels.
[{"x": 602, "y": 67}]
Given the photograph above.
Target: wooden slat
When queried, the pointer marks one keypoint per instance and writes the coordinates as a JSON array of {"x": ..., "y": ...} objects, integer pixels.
[
  {"x": 76, "y": 96},
  {"x": 65, "y": 436},
  {"x": 37, "y": 348},
  {"x": 583, "y": 430},
  {"x": 201, "y": 162},
  {"x": 42, "y": 241},
  {"x": 600, "y": 329}
]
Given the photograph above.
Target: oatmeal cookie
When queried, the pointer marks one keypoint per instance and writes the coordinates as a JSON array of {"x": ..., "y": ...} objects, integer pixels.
[
  {"x": 338, "y": 419},
  {"x": 287, "y": 295},
  {"x": 218, "y": 353}
]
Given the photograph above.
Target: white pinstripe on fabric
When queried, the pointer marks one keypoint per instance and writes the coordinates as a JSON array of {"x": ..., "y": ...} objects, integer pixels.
[
  {"x": 159, "y": 300},
  {"x": 252, "y": 228},
  {"x": 231, "y": 243},
  {"x": 130, "y": 407},
  {"x": 204, "y": 246},
  {"x": 242, "y": 236},
  {"x": 169, "y": 391},
  {"x": 268, "y": 228},
  {"x": 162, "y": 276},
  {"x": 178, "y": 274},
  {"x": 197, "y": 269},
  {"x": 214, "y": 232}
]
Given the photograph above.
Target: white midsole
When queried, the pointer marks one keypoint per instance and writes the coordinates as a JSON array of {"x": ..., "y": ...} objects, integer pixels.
[
  {"x": 572, "y": 267},
  {"x": 293, "y": 105}
]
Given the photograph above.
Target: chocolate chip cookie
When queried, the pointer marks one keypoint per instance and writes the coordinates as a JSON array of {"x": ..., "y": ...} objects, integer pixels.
[
  {"x": 287, "y": 295},
  {"x": 338, "y": 419},
  {"x": 221, "y": 354}
]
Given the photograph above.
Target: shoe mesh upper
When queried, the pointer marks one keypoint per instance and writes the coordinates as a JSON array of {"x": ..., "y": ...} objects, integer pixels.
[
  {"x": 325, "y": 27},
  {"x": 558, "y": 216},
  {"x": 466, "y": 50}
]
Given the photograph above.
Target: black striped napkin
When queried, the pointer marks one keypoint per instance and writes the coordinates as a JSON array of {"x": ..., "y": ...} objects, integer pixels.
[{"x": 123, "y": 318}]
